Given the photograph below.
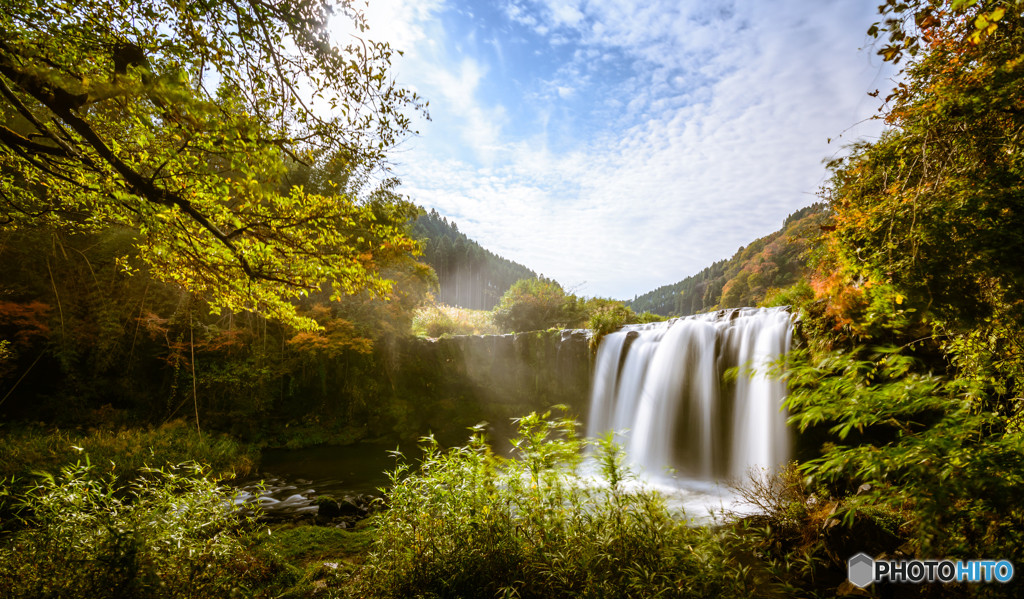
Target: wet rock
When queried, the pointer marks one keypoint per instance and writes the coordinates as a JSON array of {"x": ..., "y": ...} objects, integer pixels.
[
  {"x": 868, "y": 533},
  {"x": 328, "y": 507},
  {"x": 352, "y": 506}
]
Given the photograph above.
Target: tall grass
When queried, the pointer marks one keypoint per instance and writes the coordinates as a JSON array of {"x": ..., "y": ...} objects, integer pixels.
[
  {"x": 436, "y": 320},
  {"x": 169, "y": 533},
  {"x": 469, "y": 524},
  {"x": 24, "y": 451}
]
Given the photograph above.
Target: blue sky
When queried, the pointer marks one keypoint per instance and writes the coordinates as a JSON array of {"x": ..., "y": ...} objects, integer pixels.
[{"x": 618, "y": 146}]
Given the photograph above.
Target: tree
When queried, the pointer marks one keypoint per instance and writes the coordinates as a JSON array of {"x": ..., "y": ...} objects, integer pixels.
[
  {"x": 934, "y": 206},
  {"x": 536, "y": 304},
  {"x": 179, "y": 120},
  {"x": 910, "y": 24},
  {"x": 917, "y": 367},
  {"x": 480, "y": 276}
]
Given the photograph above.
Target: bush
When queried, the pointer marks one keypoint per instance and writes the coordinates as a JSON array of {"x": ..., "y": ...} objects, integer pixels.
[
  {"x": 796, "y": 295},
  {"x": 922, "y": 443},
  {"x": 169, "y": 533},
  {"x": 606, "y": 316},
  {"x": 469, "y": 524},
  {"x": 649, "y": 317}
]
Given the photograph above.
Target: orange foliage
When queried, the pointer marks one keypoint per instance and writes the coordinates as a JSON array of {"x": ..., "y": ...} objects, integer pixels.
[
  {"x": 337, "y": 335},
  {"x": 27, "y": 320}
]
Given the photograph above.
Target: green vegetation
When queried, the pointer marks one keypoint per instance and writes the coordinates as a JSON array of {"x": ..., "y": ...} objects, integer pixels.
[
  {"x": 94, "y": 346},
  {"x": 310, "y": 544},
  {"x": 25, "y": 451},
  {"x": 912, "y": 369},
  {"x": 127, "y": 307},
  {"x": 607, "y": 316},
  {"x": 469, "y": 524},
  {"x": 179, "y": 122},
  {"x": 166, "y": 534},
  {"x": 537, "y": 304},
  {"x": 797, "y": 294}
]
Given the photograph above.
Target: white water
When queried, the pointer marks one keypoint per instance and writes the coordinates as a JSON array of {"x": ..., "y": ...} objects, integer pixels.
[{"x": 660, "y": 388}]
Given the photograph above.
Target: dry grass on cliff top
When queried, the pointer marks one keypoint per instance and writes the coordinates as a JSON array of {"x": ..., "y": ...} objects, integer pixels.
[{"x": 436, "y": 320}]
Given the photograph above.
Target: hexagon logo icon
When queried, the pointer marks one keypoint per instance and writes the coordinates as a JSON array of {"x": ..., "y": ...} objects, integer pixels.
[{"x": 859, "y": 569}]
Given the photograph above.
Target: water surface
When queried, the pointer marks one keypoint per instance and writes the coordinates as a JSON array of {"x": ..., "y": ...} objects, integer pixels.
[{"x": 290, "y": 479}]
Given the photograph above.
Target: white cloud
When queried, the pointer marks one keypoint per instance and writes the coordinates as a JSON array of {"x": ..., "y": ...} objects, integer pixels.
[
  {"x": 481, "y": 126},
  {"x": 687, "y": 128},
  {"x": 402, "y": 23},
  {"x": 715, "y": 134},
  {"x": 450, "y": 81}
]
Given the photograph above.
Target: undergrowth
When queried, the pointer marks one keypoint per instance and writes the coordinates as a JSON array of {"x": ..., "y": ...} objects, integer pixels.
[
  {"x": 167, "y": 533},
  {"x": 470, "y": 524},
  {"x": 24, "y": 451}
]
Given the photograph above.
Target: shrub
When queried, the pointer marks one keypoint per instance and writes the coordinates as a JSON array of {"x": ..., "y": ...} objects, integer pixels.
[
  {"x": 795, "y": 295},
  {"x": 779, "y": 497},
  {"x": 169, "y": 533},
  {"x": 921, "y": 442},
  {"x": 469, "y": 524},
  {"x": 606, "y": 317}
]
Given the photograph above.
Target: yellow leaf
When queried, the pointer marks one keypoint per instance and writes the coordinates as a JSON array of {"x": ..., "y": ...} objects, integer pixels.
[{"x": 899, "y": 299}]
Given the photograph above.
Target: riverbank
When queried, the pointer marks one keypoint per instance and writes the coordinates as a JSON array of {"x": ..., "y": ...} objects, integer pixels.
[{"x": 28, "y": 448}]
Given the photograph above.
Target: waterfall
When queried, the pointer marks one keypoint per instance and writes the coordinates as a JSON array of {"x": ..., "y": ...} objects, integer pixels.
[{"x": 659, "y": 387}]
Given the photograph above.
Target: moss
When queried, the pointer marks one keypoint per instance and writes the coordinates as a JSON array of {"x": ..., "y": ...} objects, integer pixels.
[
  {"x": 312, "y": 544},
  {"x": 886, "y": 518}
]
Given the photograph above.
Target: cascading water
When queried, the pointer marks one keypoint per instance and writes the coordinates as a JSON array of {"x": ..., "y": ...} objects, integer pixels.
[{"x": 660, "y": 388}]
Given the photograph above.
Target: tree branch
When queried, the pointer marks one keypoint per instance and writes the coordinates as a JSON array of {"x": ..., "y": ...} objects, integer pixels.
[
  {"x": 11, "y": 139},
  {"x": 64, "y": 105}
]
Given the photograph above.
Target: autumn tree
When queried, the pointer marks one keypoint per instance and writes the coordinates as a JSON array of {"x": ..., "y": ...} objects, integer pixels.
[
  {"x": 179, "y": 120},
  {"x": 919, "y": 380}
]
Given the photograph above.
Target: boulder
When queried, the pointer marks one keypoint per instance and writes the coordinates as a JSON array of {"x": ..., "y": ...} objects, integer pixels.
[{"x": 328, "y": 507}]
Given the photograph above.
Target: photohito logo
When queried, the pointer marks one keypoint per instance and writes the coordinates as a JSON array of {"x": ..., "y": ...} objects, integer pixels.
[{"x": 863, "y": 570}]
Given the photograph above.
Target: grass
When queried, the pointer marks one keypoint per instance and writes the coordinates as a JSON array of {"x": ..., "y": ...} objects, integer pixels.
[
  {"x": 797, "y": 294},
  {"x": 308, "y": 545},
  {"x": 24, "y": 451},
  {"x": 463, "y": 523},
  {"x": 438, "y": 320},
  {"x": 82, "y": 533}
]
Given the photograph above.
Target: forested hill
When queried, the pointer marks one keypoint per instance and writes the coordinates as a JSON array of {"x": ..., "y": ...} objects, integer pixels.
[
  {"x": 469, "y": 275},
  {"x": 773, "y": 261}
]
